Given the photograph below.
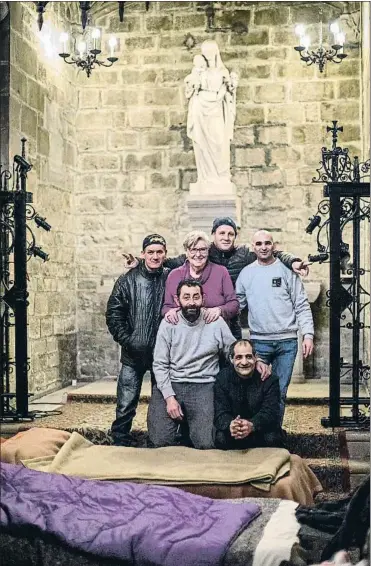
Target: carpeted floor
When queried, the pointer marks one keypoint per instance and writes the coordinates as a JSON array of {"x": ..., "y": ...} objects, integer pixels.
[
  {"x": 299, "y": 419},
  {"x": 305, "y": 436}
]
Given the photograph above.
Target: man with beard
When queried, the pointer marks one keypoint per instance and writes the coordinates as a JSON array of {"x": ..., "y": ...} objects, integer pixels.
[
  {"x": 277, "y": 307},
  {"x": 133, "y": 317},
  {"x": 247, "y": 409},
  {"x": 185, "y": 363}
]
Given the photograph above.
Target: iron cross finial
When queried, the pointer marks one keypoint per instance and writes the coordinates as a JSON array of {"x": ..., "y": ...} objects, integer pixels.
[{"x": 335, "y": 129}]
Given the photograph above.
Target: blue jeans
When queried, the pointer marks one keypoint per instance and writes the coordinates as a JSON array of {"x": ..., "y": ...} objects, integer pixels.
[
  {"x": 281, "y": 354},
  {"x": 129, "y": 384}
]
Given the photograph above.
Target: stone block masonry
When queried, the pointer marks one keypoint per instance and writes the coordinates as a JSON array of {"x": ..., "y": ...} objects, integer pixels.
[
  {"x": 115, "y": 144},
  {"x": 140, "y": 110},
  {"x": 43, "y": 106}
]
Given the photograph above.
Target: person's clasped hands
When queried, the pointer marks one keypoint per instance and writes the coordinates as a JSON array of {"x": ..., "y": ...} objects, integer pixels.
[{"x": 240, "y": 428}]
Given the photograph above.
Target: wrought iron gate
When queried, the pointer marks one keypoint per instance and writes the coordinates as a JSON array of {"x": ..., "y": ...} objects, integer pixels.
[
  {"x": 341, "y": 217},
  {"x": 17, "y": 245}
]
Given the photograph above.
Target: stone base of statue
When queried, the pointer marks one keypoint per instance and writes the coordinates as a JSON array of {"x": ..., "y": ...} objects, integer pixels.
[
  {"x": 212, "y": 188},
  {"x": 209, "y": 200}
]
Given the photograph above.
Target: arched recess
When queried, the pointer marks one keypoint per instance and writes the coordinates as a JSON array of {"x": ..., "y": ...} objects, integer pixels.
[{"x": 4, "y": 83}]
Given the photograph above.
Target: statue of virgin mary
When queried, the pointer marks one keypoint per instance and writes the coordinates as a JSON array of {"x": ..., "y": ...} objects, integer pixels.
[{"x": 211, "y": 90}]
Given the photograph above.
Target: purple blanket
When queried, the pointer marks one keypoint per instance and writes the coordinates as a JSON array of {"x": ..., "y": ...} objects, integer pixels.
[{"x": 143, "y": 524}]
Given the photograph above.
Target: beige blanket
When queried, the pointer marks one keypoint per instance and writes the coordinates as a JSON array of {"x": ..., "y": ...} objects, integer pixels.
[{"x": 260, "y": 467}]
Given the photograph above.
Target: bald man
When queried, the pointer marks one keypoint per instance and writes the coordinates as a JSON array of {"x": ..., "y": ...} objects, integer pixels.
[{"x": 277, "y": 307}]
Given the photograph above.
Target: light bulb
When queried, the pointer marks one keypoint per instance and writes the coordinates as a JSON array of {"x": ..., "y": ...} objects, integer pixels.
[
  {"x": 300, "y": 30},
  {"x": 334, "y": 28},
  {"x": 340, "y": 38},
  {"x": 305, "y": 42},
  {"x": 81, "y": 48},
  {"x": 112, "y": 43},
  {"x": 63, "y": 38},
  {"x": 95, "y": 33}
]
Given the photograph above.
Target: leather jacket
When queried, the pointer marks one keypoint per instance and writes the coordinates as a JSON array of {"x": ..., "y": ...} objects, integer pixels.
[{"x": 133, "y": 313}]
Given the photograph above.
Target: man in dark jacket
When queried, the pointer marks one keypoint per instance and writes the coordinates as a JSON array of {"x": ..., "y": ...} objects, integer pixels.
[
  {"x": 133, "y": 317},
  {"x": 247, "y": 409}
]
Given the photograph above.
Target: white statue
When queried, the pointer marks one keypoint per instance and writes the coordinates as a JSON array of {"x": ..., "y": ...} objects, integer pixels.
[{"x": 211, "y": 90}]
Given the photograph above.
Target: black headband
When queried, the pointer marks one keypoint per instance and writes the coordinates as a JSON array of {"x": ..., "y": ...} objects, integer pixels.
[{"x": 153, "y": 239}]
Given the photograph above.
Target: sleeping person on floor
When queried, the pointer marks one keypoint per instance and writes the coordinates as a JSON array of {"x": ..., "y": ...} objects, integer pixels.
[{"x": 186, "y": 363}]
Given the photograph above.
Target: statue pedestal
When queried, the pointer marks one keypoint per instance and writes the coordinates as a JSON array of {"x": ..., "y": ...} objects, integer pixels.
[{"x": 207, "y": 201}]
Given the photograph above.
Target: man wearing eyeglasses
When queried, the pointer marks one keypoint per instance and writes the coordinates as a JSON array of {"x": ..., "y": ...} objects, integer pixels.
[{"x": 277, "y": 307}]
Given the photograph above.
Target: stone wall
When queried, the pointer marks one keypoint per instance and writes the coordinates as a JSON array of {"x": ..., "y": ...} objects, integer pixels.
[
  {"x": 136, "y": 162},
  {"x": 112, "y": 161},
  {"x": 4, "y": 83},
  {"x": 43, "y": 103}
]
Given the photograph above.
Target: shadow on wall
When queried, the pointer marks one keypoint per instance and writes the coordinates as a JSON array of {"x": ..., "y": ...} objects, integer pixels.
[
  {"x": 317, "y": 365},
  {"x": 67, "y": 358}
]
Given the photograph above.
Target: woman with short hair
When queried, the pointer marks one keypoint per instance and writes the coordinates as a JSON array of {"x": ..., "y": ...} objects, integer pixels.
[{"x": 219, "y": 294}]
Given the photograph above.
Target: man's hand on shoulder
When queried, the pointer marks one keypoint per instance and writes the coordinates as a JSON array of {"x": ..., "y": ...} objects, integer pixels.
[
  {"x": 173, "y": 409},
  {"x": 211, "y": 314},
  {"x": 308, "y": 347},
  {"x": 264, "y": 369},
  {"x": 172, "y": 316},
  {"x": 300, "y": 268},
  {"x": 130, "y": 261}
]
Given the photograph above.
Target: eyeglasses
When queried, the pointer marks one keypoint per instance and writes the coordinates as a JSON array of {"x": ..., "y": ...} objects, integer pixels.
[{"x": 198, "y": 251}]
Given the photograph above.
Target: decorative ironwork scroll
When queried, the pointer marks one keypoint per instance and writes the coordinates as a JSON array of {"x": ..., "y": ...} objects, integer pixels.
[
  {"x": 340, "y": 216},
  {"x": 17, "y": 246}
]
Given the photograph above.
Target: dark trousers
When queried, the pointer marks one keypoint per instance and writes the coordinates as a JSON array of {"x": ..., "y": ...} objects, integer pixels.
[
  {"x": 197, "y": 403},
  {"x": 274, "y": 439},
  {"x": 129, "y": 384}
]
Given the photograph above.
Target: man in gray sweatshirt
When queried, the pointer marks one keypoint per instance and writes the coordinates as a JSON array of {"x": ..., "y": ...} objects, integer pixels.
[
  {"x": 185, "y": 364},
  {"x": 277, "y": 307}
]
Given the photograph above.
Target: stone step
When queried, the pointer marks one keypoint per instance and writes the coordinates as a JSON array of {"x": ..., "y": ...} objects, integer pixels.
[
  {"x": 358, "y": 472},
  {"x": 359, "y": 451}
]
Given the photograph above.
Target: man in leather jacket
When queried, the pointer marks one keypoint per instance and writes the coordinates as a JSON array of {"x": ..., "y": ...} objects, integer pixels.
[{"x": 133, "y": 316}]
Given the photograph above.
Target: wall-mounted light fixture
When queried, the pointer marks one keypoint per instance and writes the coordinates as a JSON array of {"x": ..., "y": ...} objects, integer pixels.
[
  {"x": 87, "y": 49},
  {"x": 322, "y": 54}
]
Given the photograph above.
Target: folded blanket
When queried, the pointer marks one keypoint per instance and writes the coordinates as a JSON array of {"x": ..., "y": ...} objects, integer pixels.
[
  {"x": 143, "y": 524},
  {"x": 173, "y": 465}
]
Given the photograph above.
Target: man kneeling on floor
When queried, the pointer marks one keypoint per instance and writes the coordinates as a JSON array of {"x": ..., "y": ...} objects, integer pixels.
[
  {"x": 247, "y": 408},
  {"x": 185, "y": 363}
]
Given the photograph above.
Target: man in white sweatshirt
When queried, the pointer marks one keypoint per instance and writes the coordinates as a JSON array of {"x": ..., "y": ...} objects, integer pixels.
[
  {"x": 185, "y": 364},
  {"x": 277, "y": 307}
]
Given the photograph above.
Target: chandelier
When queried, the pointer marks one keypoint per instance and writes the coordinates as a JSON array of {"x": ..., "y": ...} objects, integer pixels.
[
  {"x": 87, "y": 49},
  {"x": 320, "y": 56}
]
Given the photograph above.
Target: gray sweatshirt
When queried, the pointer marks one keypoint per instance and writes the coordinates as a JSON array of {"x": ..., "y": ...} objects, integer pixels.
[
  {"x": 277, "y": 302},
  {"x": 189, "y": 351}
]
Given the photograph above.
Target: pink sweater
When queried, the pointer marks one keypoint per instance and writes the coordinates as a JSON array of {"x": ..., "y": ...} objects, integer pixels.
[{"x": 217, "y": 286}]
